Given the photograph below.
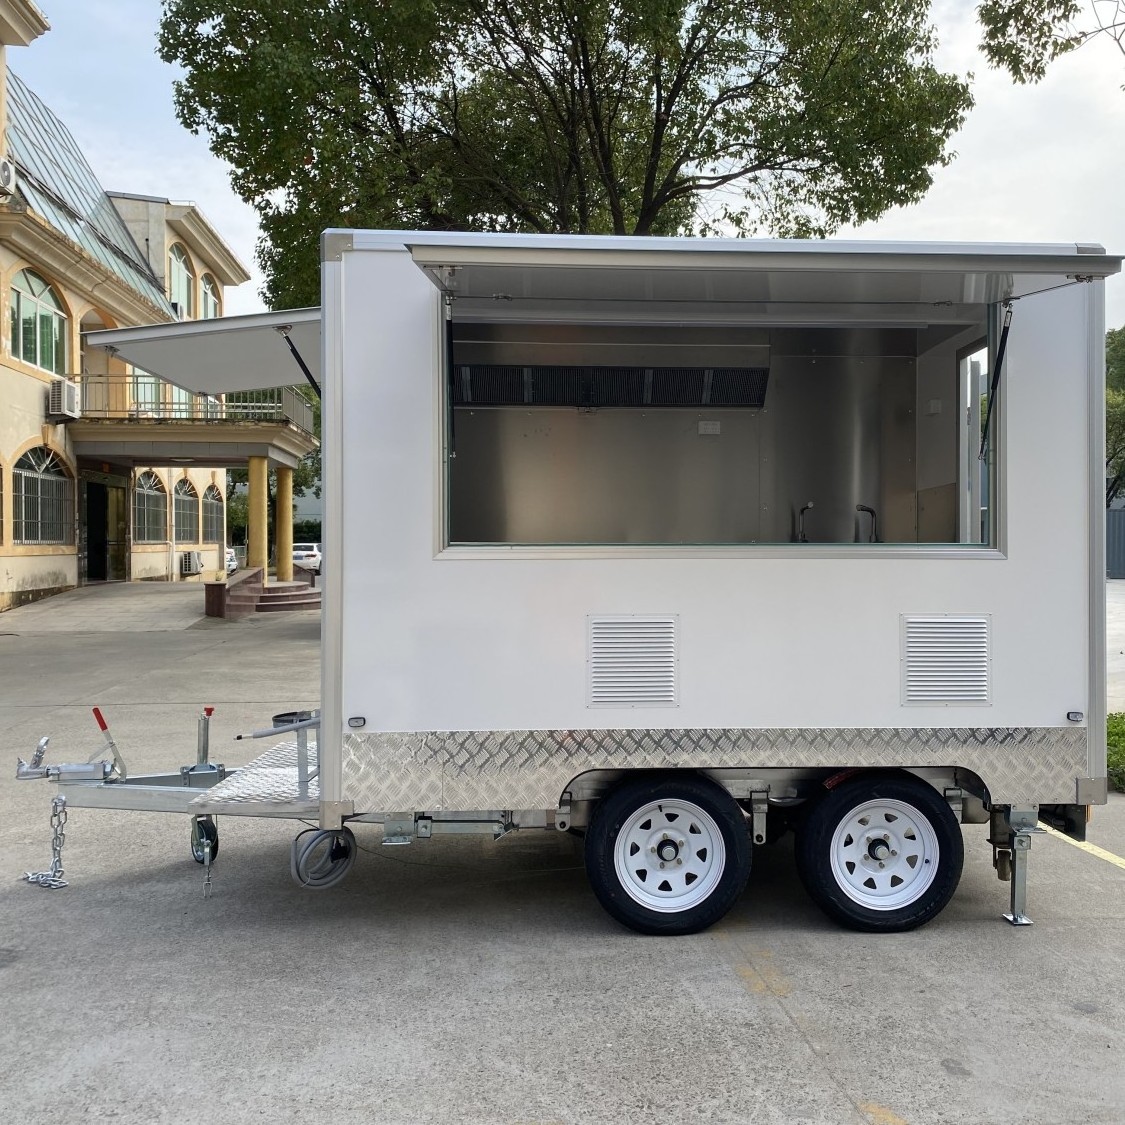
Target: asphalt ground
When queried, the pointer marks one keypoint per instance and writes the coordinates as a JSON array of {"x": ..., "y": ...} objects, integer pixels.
[{"x": 459, "y": 980}]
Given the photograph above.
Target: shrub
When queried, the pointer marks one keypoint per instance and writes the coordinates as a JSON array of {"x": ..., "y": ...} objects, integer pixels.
[{"x": 1115, "y": 745}]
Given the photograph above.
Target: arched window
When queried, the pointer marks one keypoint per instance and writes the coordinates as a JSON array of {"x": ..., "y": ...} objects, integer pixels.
[
  {"x": 43, "y": 496},
  {"x": 209, "y": 294},
  {"x": 212, "y": 515},
  {"x": 150, "y": 510},
  {"x": 186, "y": 501},
  {"x": 181, "y": 282},
  {"x": 39, "y": 325}
]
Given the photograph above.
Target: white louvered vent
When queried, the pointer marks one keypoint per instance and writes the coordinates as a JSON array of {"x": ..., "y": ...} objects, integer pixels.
[
  {"x": 945, "y": 659},
  {"x": 632, "y": 661}
]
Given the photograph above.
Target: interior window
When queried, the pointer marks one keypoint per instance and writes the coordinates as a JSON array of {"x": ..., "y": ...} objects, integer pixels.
[{"x": 568, "y": 434}]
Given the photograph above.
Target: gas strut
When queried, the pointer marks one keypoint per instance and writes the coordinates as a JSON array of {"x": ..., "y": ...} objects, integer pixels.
[{"x": 995, "y": 378}]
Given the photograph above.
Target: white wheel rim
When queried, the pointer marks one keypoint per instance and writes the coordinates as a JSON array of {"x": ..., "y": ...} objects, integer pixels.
[
  {"x": 884, "y": 854},
  {"x": 669, "y": 856}
]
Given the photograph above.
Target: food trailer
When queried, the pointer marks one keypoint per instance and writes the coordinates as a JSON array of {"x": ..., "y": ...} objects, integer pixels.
[{"x": 680, "y": 544}]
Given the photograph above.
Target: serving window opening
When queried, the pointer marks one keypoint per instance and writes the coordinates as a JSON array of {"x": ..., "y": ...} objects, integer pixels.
[{"x": 596, "y": 434}]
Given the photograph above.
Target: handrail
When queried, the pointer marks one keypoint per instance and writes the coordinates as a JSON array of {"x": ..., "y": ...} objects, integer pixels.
[{"x": 145, "y": 397}]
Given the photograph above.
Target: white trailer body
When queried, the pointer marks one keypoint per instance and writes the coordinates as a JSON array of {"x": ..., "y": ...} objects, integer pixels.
[{"x": 611, "y": 512}]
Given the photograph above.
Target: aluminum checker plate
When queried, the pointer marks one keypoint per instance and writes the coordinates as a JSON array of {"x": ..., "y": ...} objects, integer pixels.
[
  {"x": 465, "y": 770},
  {"x": 267, "y": 786}
]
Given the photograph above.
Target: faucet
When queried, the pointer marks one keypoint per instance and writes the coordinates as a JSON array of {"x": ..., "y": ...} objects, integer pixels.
[
  {"x": 801, "y": 536},
  {"x": 874, "y": 536}
]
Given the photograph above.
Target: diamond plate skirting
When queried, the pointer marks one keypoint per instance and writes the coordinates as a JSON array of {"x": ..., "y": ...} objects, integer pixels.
[
  {"x": 267, "y": 786},
  {"x": 465, "y": 770}
]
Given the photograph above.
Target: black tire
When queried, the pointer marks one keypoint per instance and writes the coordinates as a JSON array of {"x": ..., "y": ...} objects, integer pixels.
[
  {"x": 869, "y": 832},
  {"x": 698, "y": 824},
  {"x": 204, "y": 830}
]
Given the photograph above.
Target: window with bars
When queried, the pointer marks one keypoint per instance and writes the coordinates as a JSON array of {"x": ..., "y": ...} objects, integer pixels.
[
  {"x": 186, "y": 501},
  {"x": 39, "y": 324},
  {"x": 150, "y": 510},
  {"x": 212, "y": 515},
  {"x": 42, "y": 499}
]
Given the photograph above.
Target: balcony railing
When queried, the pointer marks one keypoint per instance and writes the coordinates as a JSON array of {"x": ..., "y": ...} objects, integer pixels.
[{"x": 144, "y": 397}]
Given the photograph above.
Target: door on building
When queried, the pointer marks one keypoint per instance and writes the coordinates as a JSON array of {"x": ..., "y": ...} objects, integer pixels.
[{"x": 105, "y": 537}]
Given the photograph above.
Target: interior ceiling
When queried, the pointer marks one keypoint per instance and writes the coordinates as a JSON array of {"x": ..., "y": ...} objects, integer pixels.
[{"x": 505, "y": 291}]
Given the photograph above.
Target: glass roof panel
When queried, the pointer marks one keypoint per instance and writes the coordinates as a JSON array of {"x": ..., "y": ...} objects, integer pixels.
[{"x": 60, "y": 187}]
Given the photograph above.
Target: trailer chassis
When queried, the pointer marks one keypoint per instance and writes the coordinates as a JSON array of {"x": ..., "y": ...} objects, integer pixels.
[{"x": 282, "y": 783}]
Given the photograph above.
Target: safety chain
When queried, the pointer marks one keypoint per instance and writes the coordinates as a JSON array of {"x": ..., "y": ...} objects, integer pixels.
[{"x": 53, "y": 878}]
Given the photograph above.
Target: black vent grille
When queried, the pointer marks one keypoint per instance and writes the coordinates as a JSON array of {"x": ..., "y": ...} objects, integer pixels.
[
  {"x": 508, "y": 385},
  {"x": 679, "y": 386},
  {"x": 739, "y": 386}
]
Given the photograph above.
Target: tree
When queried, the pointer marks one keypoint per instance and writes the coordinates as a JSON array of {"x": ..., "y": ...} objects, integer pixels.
[
  {"x": 1024, "y": 36},
  {"x": 1114, "y": 414},
  {"x": 626, "y": 116},
  {"x": 1115, "y": 359}
]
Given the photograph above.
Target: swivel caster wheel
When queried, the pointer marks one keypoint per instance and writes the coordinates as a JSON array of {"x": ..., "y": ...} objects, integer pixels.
[{"x": 203, "y": 831}]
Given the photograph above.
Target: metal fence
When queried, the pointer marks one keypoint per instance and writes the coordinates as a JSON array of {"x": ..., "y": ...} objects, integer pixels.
[
  {"x": 147, "y": 397},
  {"x": 1115, "y": 543}
]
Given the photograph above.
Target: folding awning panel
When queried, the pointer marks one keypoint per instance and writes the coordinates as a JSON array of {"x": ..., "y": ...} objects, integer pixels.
[
  {"x": 742, "y": 281},
  {"x": 592, "y": 279},
  {"x": 228, "y": 354}
]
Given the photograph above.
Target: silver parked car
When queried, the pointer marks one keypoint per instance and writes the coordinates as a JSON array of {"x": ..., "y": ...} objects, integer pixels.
[{"x": 232, "y": 561}]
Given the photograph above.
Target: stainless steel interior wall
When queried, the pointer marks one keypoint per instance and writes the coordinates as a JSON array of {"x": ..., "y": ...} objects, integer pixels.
[
  {"x": 838, "y": 429},
  {"x": 599, "y": 345},
  {"x": 556, "y": 475}
]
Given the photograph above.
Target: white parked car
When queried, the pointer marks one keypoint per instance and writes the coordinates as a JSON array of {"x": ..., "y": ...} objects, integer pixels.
[
  {"x": 232, "y": 561},
  {"x": 307, "y": 556}
]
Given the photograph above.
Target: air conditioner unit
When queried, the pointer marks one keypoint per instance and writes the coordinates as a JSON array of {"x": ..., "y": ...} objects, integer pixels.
[
  {"x": 7, "y": 178},
  {"x": 62, "y": 400},
  {"x": 191, "y": 562}
]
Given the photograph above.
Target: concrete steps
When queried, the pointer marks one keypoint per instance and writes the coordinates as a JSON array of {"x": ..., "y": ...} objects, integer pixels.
[{"x": 278, "y": 597}]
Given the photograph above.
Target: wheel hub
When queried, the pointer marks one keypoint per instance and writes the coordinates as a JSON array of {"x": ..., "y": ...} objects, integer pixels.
[
  {"x": 879, "y": 849},
  {"x": 669, "y": 855},
  {"x": 884, "y": 854}
]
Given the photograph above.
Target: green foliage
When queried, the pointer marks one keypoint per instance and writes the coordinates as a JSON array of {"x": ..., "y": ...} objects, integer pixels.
[
  {"x": 1115, "y": 747},
  {"x": 306, "y": 531},
  {"x": 238, "y": 515},
  {"x": 1114, "y": 414},
  {"x": 1024, "y": 36},
  {"x": 624, "y": 116},
  {"x": 1115, "y": 359}
]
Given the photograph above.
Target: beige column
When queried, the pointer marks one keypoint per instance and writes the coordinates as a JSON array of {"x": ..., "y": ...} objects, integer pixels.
[
  {"x": 283, "y": 524},
  {"x": 257, "y": 550}
]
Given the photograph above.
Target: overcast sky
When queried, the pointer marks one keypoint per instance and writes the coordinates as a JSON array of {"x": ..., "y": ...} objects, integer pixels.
[{"x": 1034, "y": 163}]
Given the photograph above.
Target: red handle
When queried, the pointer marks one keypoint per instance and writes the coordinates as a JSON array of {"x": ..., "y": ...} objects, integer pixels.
[
  {"x": 208, "y": 711},
  {"x": 100, "y": 721}
]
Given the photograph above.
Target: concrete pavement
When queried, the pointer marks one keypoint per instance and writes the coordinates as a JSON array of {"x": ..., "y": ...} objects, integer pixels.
[
  {"x": 1115, "y": 644},
  {"x": 117, "y": 607},
  {"x": 458, "y": 980}
]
